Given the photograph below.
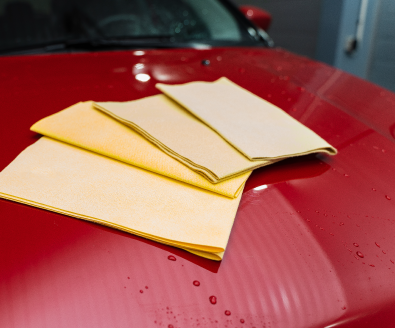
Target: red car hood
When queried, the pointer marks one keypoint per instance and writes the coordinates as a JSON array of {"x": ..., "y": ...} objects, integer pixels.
[{"x": 312, "y": 244}]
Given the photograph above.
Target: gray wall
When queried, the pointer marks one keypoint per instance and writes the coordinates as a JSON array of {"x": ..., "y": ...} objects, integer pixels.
[
  {"x": 295, "y": 23},
  {"x": 319, "y": 29},
  {"x": 341, "y": 22},
  {"x": 382, "y": 62}
]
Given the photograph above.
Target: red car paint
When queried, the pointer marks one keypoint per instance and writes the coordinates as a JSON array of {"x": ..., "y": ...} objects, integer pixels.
[{"x": 313, "y": 240}]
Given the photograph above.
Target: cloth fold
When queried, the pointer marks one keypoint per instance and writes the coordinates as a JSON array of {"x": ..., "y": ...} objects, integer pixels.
[
  {"x": 183, "y": 137},
  {"x": 69, "y": 180},
  {"x": 83, "y": 126},
  {"x": 99, "y": 162},
  {"x": 257, "y": 128}
]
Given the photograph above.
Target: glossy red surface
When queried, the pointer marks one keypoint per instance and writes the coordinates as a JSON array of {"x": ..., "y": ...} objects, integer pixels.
[
  {"x": 292, "y": 258},
  {"x": 258, "y": 16}
]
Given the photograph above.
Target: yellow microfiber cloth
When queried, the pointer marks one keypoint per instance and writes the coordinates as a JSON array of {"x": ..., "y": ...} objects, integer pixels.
[
  {"x": 85, "y": 127},
  {"x": 257, "y": 128},
  {"x": 179, "y": 134},
  {"x": 70, "y": 180}
]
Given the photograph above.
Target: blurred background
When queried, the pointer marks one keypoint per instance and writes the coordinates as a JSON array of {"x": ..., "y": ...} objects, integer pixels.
[{"x": 357, "y": 36}]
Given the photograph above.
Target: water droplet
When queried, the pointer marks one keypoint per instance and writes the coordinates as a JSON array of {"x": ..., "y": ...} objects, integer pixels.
[
  {"x": 170, "y": 326},
  {"x": 346, "y": 175},
  {"x": 374, "y": 189},
  {"x": 128, "y": 277},
  {"x": 355, "y": 244},
  {"x": 196, "y": 283},
  {"x": 392, "y": 262},
  {"x": 172, "y": 258},
  {"x": 242, "y": 320},
  {"x": 227, "y": 312},
  {"x": 146, "y": 287},
  {"x": 372, "y": 265},
  {"x": 341, "y": 223},
  {"x": 141, "y": 291},
  {"x": 294, "y": 109},
  {"x": 343, "y": 308},
  {"x": 360, "y": 254},
  {"x": 331, "y": 234},
  {"x": 384, "y": 252},
  {"x": 213, "y": 299},
  {"x": 377, "y": 245},
  {"x": 388, "y": 197}
]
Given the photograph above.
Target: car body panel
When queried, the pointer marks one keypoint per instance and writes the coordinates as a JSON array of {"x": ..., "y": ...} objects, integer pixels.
[{"x": 312, "y": 244}]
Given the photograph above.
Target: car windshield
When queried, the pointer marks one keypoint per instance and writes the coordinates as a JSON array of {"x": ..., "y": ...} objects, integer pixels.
[{"x": 30, "y": 23}]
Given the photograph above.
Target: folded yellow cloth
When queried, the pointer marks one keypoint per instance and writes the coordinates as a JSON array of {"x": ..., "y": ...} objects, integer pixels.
[
  {"x": 66, "y": 179},
  {"x": 85, "y": 127},
  {"x": 257, "y": 128},
  {"x": 182, "y": 136}
]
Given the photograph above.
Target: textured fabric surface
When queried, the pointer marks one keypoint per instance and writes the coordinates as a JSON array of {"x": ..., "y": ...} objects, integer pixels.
[
  {"x": 257, "y": 128},
  {"x": 85, "y": 127},
  {"x": 182, "y": 136},
  {"x": 66, "y": 179}
]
